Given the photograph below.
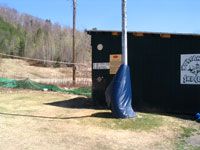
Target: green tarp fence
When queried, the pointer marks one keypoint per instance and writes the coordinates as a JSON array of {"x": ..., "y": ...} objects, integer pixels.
[{"x": 28, "y": 84}]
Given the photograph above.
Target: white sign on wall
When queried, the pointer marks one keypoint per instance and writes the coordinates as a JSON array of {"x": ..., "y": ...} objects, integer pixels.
[
  {"x": 190, "y": 69},
  {"x": 101, "y": 66}
]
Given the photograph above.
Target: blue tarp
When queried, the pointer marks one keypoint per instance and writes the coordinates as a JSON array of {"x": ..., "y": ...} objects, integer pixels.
[
  {"x": 198, "y": 117},
  {"x": 119, "y": 94}
]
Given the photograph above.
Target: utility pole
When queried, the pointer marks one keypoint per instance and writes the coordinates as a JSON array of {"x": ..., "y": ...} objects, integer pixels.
[
  {"x": 124, "y": 34},
  {"x": 74, "y": 42}
]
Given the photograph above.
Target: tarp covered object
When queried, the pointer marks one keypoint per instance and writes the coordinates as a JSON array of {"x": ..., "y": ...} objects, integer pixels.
[
  {"x": 118, "y": 94},
  {"x": 198, "y": 117}
]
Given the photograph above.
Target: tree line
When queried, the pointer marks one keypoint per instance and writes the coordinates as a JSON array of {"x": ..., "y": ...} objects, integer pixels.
[{"x": 29, "y": 36}]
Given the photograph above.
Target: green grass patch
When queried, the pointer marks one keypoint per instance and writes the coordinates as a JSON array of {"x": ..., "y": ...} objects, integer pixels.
[
  {"x": 145, "y": 122},
  {"x": 85, "y": 91},
  {"x": 187, "y": 132},
  {"x": 181, "y": 143}
]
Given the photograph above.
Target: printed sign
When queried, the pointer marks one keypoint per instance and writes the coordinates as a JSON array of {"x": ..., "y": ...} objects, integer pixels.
[
  {"x": 101, "y": 66},
  {"x": 190, "y": 69},
  {"x": 115, "y": 62}
]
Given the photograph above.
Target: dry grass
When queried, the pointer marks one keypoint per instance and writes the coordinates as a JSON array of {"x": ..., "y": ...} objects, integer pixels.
[
  {"x": 11, "y": 68},
  {"x": 58, "y": 121}
]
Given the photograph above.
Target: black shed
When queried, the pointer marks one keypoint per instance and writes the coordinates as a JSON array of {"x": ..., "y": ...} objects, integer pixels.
[{"x": 165, "y": 69}]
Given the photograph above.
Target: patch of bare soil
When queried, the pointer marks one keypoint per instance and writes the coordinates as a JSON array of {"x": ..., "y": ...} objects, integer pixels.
[{"x": 194, "y": 140}]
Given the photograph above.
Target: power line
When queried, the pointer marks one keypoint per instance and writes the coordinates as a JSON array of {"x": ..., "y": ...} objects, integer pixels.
[{"x": 50, "y": 61}]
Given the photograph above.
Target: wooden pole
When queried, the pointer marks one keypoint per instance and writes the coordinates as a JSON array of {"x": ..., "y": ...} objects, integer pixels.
[{"x": 74, "y": 42}]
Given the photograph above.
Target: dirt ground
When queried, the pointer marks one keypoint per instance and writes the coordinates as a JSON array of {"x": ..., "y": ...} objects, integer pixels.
[{"x": 36, "y": 120}]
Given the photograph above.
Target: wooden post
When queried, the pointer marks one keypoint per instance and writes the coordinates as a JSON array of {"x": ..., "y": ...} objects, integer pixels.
[{"x": 74, "y": 42}]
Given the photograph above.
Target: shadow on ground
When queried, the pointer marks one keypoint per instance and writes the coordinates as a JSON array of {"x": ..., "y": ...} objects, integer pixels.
[
  {"x": 175, "y": 115},
  {"x": 181, "y": 116},
  {"x": 82, "y": 103},
  {"x": 87, "y": 103},
  {"x": 77, "y": 103},
  {"x": 102, "y": 115}
]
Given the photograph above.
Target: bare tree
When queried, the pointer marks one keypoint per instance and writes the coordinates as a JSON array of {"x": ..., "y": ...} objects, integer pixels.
[{"x": 42, "y": 39}]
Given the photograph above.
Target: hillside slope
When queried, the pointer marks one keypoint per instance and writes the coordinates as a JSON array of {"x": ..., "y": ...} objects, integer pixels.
[
  {"x": 15, "y": 68},
  {"x": 22, "y": 34}
]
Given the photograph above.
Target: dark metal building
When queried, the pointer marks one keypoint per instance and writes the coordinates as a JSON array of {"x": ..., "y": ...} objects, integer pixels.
[{"x": 165, "y": 69}]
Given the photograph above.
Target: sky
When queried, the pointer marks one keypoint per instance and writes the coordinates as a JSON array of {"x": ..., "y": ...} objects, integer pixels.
[{"x": 174, "y": 16}]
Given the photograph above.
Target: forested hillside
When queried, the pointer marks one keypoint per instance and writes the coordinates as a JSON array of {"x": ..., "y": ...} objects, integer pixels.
[{"x": 29, "y": 36}]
